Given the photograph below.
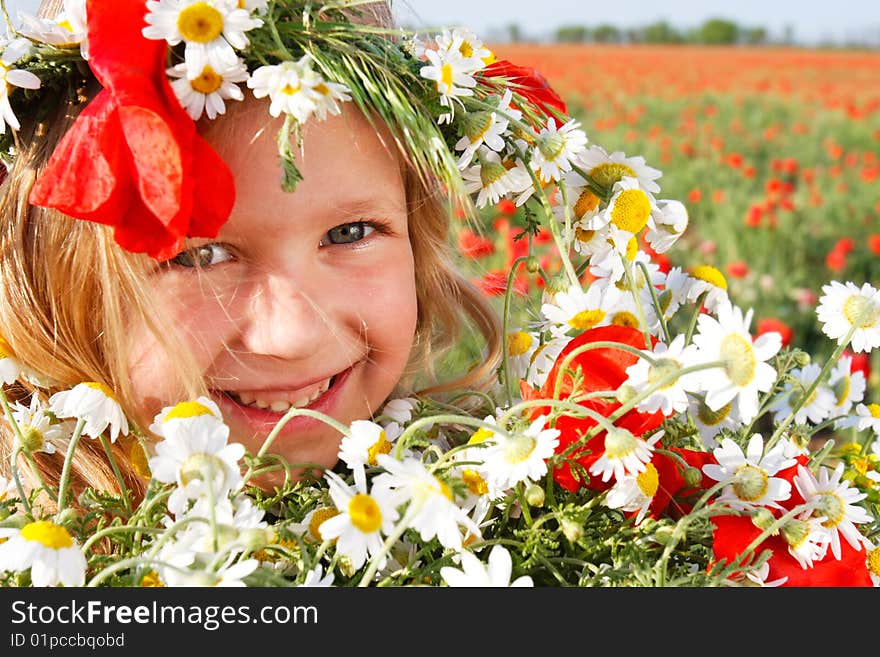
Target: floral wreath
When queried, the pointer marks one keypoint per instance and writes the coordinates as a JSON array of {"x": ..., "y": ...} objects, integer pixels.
[{"x": 625, "y": 446}]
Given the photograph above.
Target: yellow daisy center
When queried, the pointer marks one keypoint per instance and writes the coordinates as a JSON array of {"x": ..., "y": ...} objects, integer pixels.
[
  {"x": 444, "y": 489},
  {"x": 5, "y": 349},
  {"x": 32, "y": 438},
  {"x": 466, "y": 49},
  {"x": 100, "y": 386},
  {"x": 200, "y": 22},
  {"x": 710, "y": 274},
  {"x": 489, "y": 59},
  {"x": 874, "y": 561},
  {"x": 491, "y": 172},
  {"x": 480, "y": 435},
  {"x": 709, "y": 417},
  {"x": 518, "y": 343},
  {"x": 474, "y": 482},
  {"x": 187, "y": 409},
  {"x": 551, "y": 145},
  {"x": 586, "y": 202},
  {"x": 750, "y": 483},
  {"x": 445, "y": 76},
  {"x": 631, "y": 210},
  {"x": 874, "y": 410},
  {"x": 365, "y": 513},
  {"x": 138, "y": 459},
  {"x": 608, "y": 173},
  {"x": 586, "y": 319},
  {"x": 200, "y": 466},
  {"x": 48, "y": 534},
  {"x": 648, "y": 480},
  {"x": 860, "y": 312},
  {"x": 619, "y": 444},
  {"x": 584, "y": 235},
  {"x": 152, "y": 580},
  {"x": 289, "y": 89},
  {"x": 318, "y": 518},
  {"x": 832, "y": 507},
  {"x": 381, "y": 446},
  {"x": 625, "y": 318},
  {"x": 518, "y": 449},
  {"x": 662, "y": 368},
  {"x": 841, "y": 389},
  {"x": 632, "y": 247},
  {"x": 739, "y": 356},
  {"x": 208, "y": 81}
]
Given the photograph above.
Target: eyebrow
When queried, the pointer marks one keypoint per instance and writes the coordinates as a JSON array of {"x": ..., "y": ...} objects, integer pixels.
[{"x": 367, "y": 206}]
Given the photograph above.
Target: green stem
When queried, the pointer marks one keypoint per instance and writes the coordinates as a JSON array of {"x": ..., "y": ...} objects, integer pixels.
[
  {"x": 123, "y": 489},
  {"x": 630, "y": 281},
  {"x": 401, "y": 527},
  {"x": 505, "y": 361},
  {"x": 655, "y": 300},
  {"x": 692, "y": 324},
  {"x": 68, "y": 461}
]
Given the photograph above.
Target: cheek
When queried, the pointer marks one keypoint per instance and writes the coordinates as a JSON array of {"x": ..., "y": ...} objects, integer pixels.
[{"x": 189, "y": 320}]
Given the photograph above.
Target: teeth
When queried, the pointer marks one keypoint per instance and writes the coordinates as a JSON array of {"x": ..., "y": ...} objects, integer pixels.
[{"x": 279, "y": 405}]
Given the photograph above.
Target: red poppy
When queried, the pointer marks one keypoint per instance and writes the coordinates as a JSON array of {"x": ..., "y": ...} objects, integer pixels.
[
  {"x": 860, "y": 362},
  {"x": 532, "y": 85},
  {"x": 770, "y": 324},
  {"x": 133, "y": 159},
  {"x": 473, "y": 245},
  {"x": 603, "y": 368}
]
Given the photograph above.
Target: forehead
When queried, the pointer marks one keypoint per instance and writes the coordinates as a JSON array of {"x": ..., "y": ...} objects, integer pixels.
[{"x": 346, "y": 161}]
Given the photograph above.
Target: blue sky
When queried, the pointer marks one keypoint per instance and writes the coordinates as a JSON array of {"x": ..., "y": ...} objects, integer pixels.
[{"x": 812, "y": 21}]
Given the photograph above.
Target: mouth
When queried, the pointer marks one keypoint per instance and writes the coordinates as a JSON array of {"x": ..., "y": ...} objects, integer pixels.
[
  {"x": 263, "y": 408},
  {"x": 280, "y": 401}
]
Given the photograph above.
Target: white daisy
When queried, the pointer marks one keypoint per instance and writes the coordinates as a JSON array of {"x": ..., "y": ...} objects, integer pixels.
[
  {"x": 93, "y": 403},
  {"x": 574, "y": 309},
  {"x": 49, "y": 550},
  {"x": 873, "y": 561},
  {"x": 400, "y": 410},
  {"x": 520, "y": 456},
  {"x": 710, "y": 422},
  {"x": 676, "y": 290},
  {"x": 196, "y": 455},
  {"x": 543, "y": 359},
  {"x": 68, "y": 28},
  {"x": 492, "y": 179},
  {"x": 362, "y": 519},
  {"x": 745, "y": 373},
  {"x": 184, "y": 413},
  {"x": 584, "y": 205},
  {"x": 844, "y": 306},
  {"x": 367, "y": 440},
  {"x": 671, "y": 397},
  {"x": 607, "y": 169},
  {"x": 624, "y": 454},
  {"x": 815, "y": 409},
  {"x": 707, "y": 279},
  {"x": 295, "y": 88},
  {"x": 836, "y": 503},
  {"x": 10, "y": 368},
  {"x": 556, "y": 149},
  {"x": 750, "y": 474},
  {"x": 848, "y": 386},
  {"x": 668, "y": 222},
  {"x": 807, "y": 539},
  {"x": 315, "y": 578},
  {"x": 465, "y": 42},
  {"x": 453, "y": 76},
  {"x": 206, "y": 92},
  {"x": 867, "y": 417},
  {"x": 474, "y": 573},
  {"x": 629, "y": 208},
  {"x": 634, "y": 493},
  {"x": 40, "y": 433},
  {"x": 211, "y": 30},
  {"x": 760, "y": 574},
  {"x": 227, "y": 575},
  {"x": 10, "y": 78},
  {"x": 434, "y": 513},
  {"x": 485, "y": 128}
]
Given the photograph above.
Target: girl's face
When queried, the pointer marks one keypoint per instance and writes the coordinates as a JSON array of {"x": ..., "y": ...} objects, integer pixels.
[{"x": 304, "y": 299}]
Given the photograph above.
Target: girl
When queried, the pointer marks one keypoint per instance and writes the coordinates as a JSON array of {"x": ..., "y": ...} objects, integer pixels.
[{"x": 335, "y": 297}]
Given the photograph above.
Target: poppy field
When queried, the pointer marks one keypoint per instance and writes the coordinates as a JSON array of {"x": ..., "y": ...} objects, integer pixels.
[{"x": 773, "y": 151}]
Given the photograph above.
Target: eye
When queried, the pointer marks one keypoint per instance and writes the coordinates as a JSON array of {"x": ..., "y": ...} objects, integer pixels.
[
  {"x": 202, "y": 256},
  {"x": 348, "y": 233}
]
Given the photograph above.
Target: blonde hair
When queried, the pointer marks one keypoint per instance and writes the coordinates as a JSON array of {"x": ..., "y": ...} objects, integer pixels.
[{"x": 68, "y": 292}]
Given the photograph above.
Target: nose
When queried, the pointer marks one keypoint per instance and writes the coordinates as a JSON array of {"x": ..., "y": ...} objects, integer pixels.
[{"x": 284, "y": 320}]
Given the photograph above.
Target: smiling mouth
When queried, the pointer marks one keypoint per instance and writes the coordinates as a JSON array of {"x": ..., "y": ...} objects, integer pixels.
[{"x": 279, "y": 401}]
